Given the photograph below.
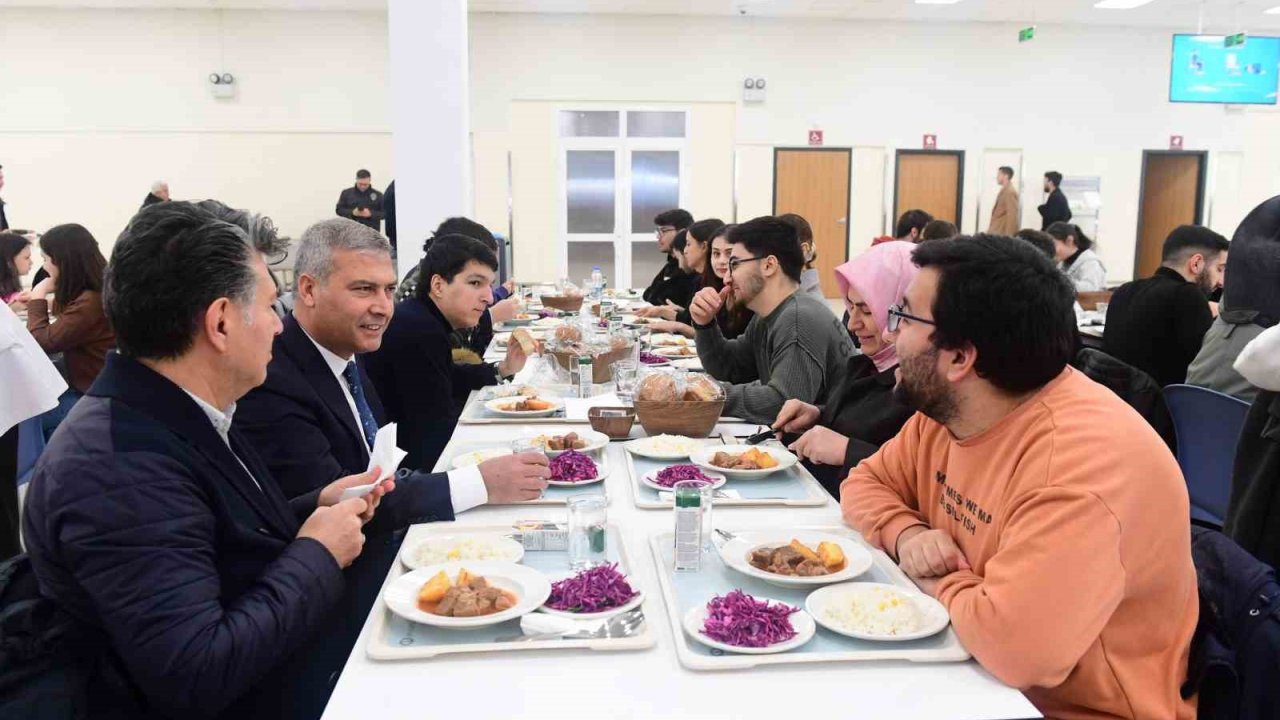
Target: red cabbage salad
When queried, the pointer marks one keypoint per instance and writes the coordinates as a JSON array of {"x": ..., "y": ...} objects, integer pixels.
[
  {"x": 594, "y": 590},
  {"x": 649, "y": 358},
  {"x": 573, "y": 466},
  {"x": 740, "y": 620},
  {"x": 668, "y": 477}
]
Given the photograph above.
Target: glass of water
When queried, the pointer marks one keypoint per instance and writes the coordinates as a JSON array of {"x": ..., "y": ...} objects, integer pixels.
[
  {"x": 588, "y": 531},
  {"x": 625, "y": 375},
  {"x": 519, "y": 446}
]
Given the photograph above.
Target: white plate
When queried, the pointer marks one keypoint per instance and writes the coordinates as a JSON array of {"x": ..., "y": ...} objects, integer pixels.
[
  {"x": 602, "y": 472},
  {"x": 633, "y": 321},
  {"x": 475, "y": 457},
  {"x": 932, "y": 615},
  {"x": 595, "y": 441},
  {"x": 680, "y": 353},
  {"x": 702, "y": 458},
  {"x": 495, "y": 406},
  {"x": 801, "y": 622},
  {"x": 628, "y": 605},
  {"x": 665, "y": 363},
  {"x": 548, "y": 322},
  {"x": 651, "y": 479},
  {"x": 643, "y": 448},
  {"x": 737, "y": 553},
  {"x": 692, "y": 363},
  {"x": 670, "y": 340},
  {"x": 530, "y": 587},
  {"x": 505, "y": 548},
  {"x": 519, "y": 322}
]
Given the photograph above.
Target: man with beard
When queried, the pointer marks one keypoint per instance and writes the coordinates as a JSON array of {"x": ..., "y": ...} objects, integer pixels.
[
  {"x": 1157, "y": 324},
  {"x": 1033, "y": 503},
  {"x": 794, "y": 347}
]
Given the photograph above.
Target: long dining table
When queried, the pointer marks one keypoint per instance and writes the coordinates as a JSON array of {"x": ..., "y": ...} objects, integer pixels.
[{"x": 572, "y": 683}]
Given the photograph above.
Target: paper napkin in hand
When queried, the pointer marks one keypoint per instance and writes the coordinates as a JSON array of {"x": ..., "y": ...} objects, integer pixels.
[{"x": 385, "y": 455}]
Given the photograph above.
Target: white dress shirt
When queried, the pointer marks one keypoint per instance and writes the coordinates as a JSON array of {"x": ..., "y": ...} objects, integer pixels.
[
  {"x": 221, "y": 421},
  {"x": 466, "y": 485}
]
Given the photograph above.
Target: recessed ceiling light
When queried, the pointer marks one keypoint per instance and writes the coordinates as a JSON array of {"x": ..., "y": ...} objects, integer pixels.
[
  {"x": 937, "y": 2},
  {"x": 1120, "y": 4}
]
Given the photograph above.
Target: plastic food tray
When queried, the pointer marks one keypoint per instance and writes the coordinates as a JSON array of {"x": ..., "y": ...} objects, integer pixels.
[
  {"x": 394, "y": 638},
  {"x": 684, "y": 590},
  {"x": 554, "y": 494},
  {"x": 793, "y": 487}
]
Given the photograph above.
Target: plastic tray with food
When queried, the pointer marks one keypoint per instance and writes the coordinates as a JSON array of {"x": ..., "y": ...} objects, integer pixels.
[
  {"x": 794, "y": 486},
  {"x": 531, "y": 405},
  {"x": 572, "y": 473},
  {"x": 535, "y": 574},
  {"x": 806, "y": 623}
]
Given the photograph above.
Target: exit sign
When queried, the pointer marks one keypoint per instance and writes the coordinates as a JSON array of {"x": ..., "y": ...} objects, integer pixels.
[
  {"x": 1027, "y": 33},
  {"x": 1234, "y": 40}
]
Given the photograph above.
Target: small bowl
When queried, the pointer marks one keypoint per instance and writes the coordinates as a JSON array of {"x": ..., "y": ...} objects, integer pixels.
[{"x": 617, "y": 425}]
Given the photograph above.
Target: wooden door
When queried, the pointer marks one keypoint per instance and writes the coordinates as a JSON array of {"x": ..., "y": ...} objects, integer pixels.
[
  {"x": 1172, "y": 195},
  {"x": 814, "y": 184},
  {"x": 929, "y": 180}
]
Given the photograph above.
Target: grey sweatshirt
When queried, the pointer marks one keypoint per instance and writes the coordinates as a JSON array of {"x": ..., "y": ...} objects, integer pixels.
[{"x": 794, "y": 352}]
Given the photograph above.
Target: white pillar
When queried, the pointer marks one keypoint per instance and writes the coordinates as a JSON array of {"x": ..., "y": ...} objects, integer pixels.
[{"x": 430, "y": 118}]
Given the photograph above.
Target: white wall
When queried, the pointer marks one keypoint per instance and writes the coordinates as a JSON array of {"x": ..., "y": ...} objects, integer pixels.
[
  {"x": 97, "y": 104},
  {"x": 1083, "y": 101}
]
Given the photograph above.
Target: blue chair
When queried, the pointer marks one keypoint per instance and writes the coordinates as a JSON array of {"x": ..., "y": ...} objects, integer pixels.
[{"x": 1208, "y": 425}]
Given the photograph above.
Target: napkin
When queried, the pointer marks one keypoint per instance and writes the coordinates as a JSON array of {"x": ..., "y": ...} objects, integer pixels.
[
  {"x": 541, "y": 623},
  {"x": 576, "y": 408},
  {"x": 385, "y": 455}
]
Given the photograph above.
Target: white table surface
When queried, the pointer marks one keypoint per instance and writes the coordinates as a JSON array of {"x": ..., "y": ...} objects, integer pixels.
[{"x": 563, "y": 684}]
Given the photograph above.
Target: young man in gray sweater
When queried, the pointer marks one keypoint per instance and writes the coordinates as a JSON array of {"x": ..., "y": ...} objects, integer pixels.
[{"x": 792, "y": 348}]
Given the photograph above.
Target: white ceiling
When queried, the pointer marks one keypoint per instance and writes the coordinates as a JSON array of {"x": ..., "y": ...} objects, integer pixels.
[{"x": 1218, "y": 15}]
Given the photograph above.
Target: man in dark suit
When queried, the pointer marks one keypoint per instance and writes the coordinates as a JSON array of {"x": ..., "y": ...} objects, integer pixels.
[
  {"x": 152, "y": 521},
  {"x": 1157, "y": 324},
  {"x": 315, "y": 417},
  {"x": 1055, "y": 207}
]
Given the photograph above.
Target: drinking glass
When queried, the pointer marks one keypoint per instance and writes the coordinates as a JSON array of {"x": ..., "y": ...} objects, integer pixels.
[
  {"x": 625, "y": 375},
  {"x": 588, "y": 531}
]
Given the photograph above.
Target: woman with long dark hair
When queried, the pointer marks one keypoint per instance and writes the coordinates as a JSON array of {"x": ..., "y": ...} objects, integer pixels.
[
  {"x": 15, "y": 262},
  {"x": 81, "y": 331},
  {"x": 1074, "y": 252},
  {"x": 709, "y": 262}
]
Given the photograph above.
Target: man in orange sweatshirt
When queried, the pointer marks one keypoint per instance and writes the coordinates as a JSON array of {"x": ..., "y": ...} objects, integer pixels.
[{"x": 1041, "y": 510}]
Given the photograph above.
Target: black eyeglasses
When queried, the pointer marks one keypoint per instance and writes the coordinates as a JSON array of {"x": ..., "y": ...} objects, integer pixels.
[
  {"x": 735, "y": 262},
  {"x": 662, "y": 230},
  {"x": 896, "y": 316}
]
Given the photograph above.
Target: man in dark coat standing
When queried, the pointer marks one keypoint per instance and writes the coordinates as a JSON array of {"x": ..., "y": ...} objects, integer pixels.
[
  {"x": 1055, "y": 207},
  {"x": 153, "y": 522},
  {"x": 362, "y": 203}
]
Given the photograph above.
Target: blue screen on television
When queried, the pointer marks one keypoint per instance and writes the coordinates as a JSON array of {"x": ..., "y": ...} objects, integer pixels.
[{"x": 1204, "y": 71}]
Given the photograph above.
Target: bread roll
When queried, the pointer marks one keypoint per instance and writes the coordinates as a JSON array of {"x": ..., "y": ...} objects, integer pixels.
[
  {"x": 527, "y": 343},
  {"x": 568, "y": 333},
  {"x": 702, "y": 388},
  {"x": 658, "y": 387}
]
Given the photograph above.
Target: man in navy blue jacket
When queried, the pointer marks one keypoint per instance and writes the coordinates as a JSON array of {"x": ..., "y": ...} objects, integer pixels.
[
  {"x": 314, "y": 418},
  {"x": 154, "y": 522}
]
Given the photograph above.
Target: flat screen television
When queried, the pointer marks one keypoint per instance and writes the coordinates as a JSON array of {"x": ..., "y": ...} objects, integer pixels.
[{"x": 1204, "y": 71}]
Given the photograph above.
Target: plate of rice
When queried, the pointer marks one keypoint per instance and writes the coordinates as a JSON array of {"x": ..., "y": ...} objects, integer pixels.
[
  {"x": 462, "y": 548},
  {"x": 664, "y": 447},
  {"x": 877, "y": 611}
]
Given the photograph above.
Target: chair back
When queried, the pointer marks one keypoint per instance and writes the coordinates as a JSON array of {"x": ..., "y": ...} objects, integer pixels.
[{"x": 1207, "y": 424}]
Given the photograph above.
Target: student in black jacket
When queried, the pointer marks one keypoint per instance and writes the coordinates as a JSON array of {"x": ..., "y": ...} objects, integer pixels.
[
  {"x": 860, "y": 412},
  {"x": 413, "y": 370},
  {"x": 1157, "y": 324},
  {"x": 669, "y": 278},
  {"x": 1055, "y": 207}
]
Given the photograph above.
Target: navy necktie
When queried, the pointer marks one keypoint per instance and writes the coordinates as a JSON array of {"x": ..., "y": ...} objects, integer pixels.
[{"x": 367, "y": 423}]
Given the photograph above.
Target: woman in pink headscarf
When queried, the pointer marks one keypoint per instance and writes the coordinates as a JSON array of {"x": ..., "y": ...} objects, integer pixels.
[{"x": 860, "y": 412}]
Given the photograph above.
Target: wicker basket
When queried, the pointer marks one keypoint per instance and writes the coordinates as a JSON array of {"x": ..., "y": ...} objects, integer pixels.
[
  {"x": 691, "y": 418},
  {"x": 601, "y": 365},
  {"x": 567, "y": 303}
]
